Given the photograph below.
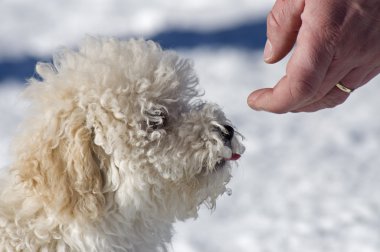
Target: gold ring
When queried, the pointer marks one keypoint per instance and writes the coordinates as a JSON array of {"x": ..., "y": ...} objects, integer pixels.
[{"x": 344, "y": 88}]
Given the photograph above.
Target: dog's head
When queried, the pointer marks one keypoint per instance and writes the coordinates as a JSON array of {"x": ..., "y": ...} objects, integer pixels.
[{"x": 124, "y": 118}]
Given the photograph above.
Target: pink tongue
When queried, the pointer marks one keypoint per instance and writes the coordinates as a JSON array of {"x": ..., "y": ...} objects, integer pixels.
[{"x": 234, "y": 156}]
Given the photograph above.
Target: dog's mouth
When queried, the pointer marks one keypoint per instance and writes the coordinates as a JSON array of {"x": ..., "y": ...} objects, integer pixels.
[
  {"x": 227, "y": 155},
  {"x": 234, "y": 157},
  {"x": 231, "y": 150}
]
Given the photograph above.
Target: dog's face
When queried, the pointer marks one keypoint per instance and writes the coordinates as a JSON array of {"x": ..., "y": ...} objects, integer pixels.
[
  {"x": 191, "y": 153},
  {"x": 156, "y": 145}
]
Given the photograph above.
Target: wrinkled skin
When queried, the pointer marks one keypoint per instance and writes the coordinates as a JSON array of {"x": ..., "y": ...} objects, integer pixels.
[{"x": 335, "y": 41}]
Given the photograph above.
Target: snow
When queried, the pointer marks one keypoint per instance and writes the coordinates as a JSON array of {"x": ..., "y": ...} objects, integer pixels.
[
  {"x": 38, "y": 27},
  {"x": 307, "y": 182}
]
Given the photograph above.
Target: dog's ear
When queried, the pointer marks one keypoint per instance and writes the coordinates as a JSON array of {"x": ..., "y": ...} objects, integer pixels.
[
  {"x": 60, "y": 164},
  {"x": 156, "y": 117}
]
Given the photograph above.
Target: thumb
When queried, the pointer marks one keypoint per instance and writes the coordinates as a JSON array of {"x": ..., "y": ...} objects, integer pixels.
[{"x": 283, "y": 24}]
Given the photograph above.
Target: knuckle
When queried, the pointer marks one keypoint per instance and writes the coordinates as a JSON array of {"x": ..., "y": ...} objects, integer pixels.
[
  {"x": 334, "y": 100},
  {"x": 303, "y": 91},
  {"x": 319, "y": 95}
]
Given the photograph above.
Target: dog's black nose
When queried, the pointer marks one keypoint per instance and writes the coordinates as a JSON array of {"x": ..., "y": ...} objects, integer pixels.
[{"x": 230, "y": 132}]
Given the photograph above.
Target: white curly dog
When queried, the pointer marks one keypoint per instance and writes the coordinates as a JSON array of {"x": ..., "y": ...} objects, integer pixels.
[{"x": 116, "y": 148}]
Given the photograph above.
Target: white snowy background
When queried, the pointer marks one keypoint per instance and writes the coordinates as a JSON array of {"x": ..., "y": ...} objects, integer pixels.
[{"x": 307, "y": 182}]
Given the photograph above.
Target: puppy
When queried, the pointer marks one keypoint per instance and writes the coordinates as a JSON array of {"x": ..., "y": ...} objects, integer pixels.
[{"x": 116, "y": 147}]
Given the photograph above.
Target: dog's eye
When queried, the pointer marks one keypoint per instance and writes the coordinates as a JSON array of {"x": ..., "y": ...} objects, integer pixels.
[
  {"x": 227, "y": 133},
  {"x": 156, "y": 118}
]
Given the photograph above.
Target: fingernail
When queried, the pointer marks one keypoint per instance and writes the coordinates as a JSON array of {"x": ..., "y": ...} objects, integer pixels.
[{"x": 268, "y": 50}]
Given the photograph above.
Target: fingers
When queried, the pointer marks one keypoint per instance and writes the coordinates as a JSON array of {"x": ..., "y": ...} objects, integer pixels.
[
  {"x": 358, "y": 76},
  {"x": 304, "y": 76},
  {"x": 283, "y": 23},
  {"x": 328, "y": 51},
  {"x": 334, "y": 98},
  {"x": 354, "y": 79},
  {"x": 336, "y": 71}
]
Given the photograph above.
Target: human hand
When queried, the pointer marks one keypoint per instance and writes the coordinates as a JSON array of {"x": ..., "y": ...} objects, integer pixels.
[{"x": 336, "y": 41}]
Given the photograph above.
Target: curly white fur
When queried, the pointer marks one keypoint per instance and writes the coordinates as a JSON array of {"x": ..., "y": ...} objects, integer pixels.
[{"x": 116, "y": 148}]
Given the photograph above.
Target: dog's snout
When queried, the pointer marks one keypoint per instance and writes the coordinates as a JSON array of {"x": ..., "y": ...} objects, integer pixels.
[{"x": 230, "y": 132}]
